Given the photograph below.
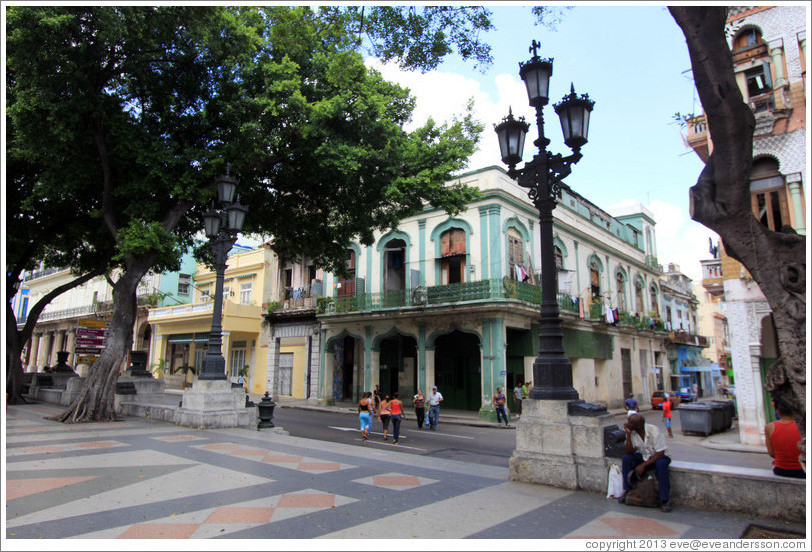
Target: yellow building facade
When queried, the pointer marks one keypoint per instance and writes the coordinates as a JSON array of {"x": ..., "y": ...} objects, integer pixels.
[{"x": 180, "y": 333}]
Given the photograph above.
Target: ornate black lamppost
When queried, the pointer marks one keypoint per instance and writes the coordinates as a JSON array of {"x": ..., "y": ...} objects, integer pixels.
[
  {"x": 543, "y": 175},
  {"x": 221, "y": 226}
]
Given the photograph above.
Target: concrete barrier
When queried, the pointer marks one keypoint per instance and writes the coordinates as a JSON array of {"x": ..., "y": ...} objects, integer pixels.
[{"x": 734, "y": 489}]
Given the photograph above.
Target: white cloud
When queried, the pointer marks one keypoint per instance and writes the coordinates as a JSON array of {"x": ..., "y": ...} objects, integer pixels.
[{"x": 442, "y": 95}]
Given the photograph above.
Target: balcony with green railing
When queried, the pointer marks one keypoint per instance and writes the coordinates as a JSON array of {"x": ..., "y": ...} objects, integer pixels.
[{"x": 466, "y": 292}]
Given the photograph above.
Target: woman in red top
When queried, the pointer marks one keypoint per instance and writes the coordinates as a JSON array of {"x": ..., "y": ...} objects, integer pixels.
[
  {"x": 397, "y": 415},
  {"x": 782, "y": 437}
]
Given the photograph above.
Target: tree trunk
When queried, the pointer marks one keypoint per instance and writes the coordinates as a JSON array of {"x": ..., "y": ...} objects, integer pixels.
[
  {"x": 96, "y": 400},
  {"x": 14, "y": 366},
  {"x": 721, "y": 201}
]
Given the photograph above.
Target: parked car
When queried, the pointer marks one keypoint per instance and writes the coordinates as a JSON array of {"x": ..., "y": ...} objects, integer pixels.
[
  {"x": 685, "y": 394},
  {"x": 658, "y": 397}
]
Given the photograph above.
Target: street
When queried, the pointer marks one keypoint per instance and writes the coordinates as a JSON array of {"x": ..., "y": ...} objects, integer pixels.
[{"x": 482, "y": 445}]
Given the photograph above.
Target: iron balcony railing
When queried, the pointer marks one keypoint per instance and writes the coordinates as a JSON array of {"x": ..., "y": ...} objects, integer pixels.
[
  {"x": 481, "y": 290},
  {"x": 97, "y": 307}
]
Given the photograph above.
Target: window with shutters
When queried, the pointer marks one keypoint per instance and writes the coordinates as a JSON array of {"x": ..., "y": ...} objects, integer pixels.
[
  {"x": 452, "y": 252},
  {"x": 638, "y": 295},
  {"x": 346, "y": 286},
  {"x": 394, "y": 257},
  {"x": 768, "y": 194},
  {"x": 621, "y": 299},
  {"x": 655, "y": 307},
  {"x": 595, "y": 281},
  {"x": 746, "y": 39},
  {"x": 183, "y": 283},
  {"x": 515, "y": 253},
  {"x": 759, "y": 80},
  {"x": 452, "y": 242},
  {"x": 245, "y": 292},
  {"x": 559, "y": 259}
]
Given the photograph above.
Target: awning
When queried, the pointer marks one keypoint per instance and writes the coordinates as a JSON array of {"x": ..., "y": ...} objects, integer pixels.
[
  {"x": 188, "y": 338},
  {"x": 705, "y": 368}
]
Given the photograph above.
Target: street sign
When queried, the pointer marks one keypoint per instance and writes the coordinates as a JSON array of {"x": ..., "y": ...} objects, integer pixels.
[
  {"x": 93, "y": 323},
  {"x": 87, "y": 351},
  {"x": 90, "y": 338},
  {"x": 90, "y": 342}
]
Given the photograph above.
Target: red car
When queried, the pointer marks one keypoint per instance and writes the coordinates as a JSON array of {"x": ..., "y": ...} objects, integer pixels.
[{"x": 658, "y": 397}]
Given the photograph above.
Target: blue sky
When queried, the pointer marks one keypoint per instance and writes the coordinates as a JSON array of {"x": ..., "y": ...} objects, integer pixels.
[{"x": 633, "y": 61}]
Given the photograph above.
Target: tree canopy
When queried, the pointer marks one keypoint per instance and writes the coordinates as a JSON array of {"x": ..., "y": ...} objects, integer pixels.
[{"x": 121, "y": 116}]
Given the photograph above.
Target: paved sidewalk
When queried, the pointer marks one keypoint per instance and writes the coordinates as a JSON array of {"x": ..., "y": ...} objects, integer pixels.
[{"x": 139, "y": 479}]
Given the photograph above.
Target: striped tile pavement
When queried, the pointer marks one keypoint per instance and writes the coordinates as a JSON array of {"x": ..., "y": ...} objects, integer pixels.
[{"x": 139, "y": 479}]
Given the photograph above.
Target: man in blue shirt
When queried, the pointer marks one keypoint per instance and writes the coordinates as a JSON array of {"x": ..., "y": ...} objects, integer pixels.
[{"x": 631, "y": 404}]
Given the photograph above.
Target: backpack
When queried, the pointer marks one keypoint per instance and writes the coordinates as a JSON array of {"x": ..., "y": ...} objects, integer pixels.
[{"x": 645, "y": 494}]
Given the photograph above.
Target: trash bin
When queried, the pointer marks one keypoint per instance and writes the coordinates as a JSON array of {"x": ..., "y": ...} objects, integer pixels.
[
  {"x": 695, "y": 418},
  {"x": 728, "y": 411},
  {"x": 718, "y": 414}
]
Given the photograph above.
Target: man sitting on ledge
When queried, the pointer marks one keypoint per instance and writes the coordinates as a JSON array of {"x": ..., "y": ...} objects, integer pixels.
[{"x": 645, "y": 449}]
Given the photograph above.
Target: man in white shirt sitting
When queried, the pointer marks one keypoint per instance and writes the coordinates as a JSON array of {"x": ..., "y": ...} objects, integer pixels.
[{"x": 645, "y": 449}]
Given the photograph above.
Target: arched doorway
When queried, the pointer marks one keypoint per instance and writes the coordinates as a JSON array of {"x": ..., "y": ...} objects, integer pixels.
[
  {"x": 457, "y": 370},
  {"x": 345, "y": 376},
  {"x": 398, "y": 366}
]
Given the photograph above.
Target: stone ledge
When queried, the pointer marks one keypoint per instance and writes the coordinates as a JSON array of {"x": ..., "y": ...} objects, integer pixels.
[{"x": 734, "y": 489}]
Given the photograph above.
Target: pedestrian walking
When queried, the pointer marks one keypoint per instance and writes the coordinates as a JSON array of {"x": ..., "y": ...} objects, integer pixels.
[
  {"x": 499, "y": 404},
  {"x": 667, "y": 414},
  {"x": 398, "y": 415},
  {"x": 631, "y": 405},
  {"x": 434, "y": 399},
  {"x": 517, "y": 398},
  {"x": 419, "y": 403},
  {"x": 526, "y": 387},
  {"x": 376, "y": 395},
  {"x": 364, "y": 414},
  {"x": 384, "y": 415}
]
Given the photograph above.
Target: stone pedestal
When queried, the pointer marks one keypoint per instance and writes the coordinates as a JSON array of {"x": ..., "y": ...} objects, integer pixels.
[
  {"x": 560, "y": 450},
  {"x": 147, "y": 391},
  {"x": 72, "y": 390},
  {"x": 215, "y": 404}
]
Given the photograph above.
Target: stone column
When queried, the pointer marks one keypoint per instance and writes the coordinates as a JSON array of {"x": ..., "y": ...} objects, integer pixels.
[
  {"x": 777, "y": 53},
  {"x": 33, "y": 353},
  {"x": 421, "y": 356},
  {"x": 60, "y": 342},
  {"x": 227, "y": 353},
  {"x": 71, "y": 347},
  {"x": 273, "y": 363},
  {"x": 375, "y": 369},
  {"x": 429, "y": 370},
  {"x": 794, "y": 184},
  {"x": 43, "y": 358},
  {"x": 758, "y": 396}
]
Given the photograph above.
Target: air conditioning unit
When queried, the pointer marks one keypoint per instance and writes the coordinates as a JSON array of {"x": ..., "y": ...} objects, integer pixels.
[{"x": 419, "y": 296}]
